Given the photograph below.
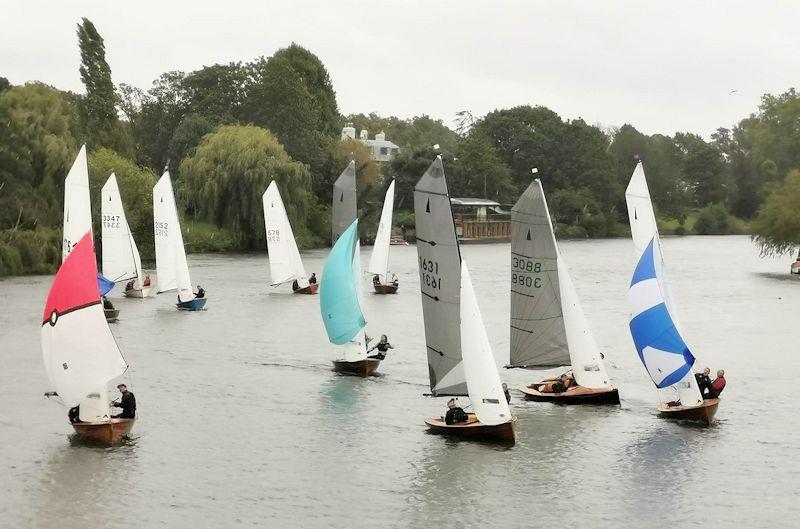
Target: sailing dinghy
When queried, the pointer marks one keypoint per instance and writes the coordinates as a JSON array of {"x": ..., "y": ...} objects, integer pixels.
[
  {"x": 121, "y": 261},
  {"x": 654, "y": 324},
  {"x": 78, "y": 212},
  {"x": 171, "y": 265},
  {"x": 379, "y": 261},
  {"x": 80, "y": 353},
  {"x": 340, "y": 306},
  {"x": 548, "y": 326},
  {"x": 460, "y": 359},
  {"x": 285, "y": 264}
]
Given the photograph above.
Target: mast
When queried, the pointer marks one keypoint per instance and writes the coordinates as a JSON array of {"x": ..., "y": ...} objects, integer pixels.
[{"x": 440, "y": 281}]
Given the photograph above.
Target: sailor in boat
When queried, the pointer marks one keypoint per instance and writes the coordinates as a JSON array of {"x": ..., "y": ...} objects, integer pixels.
[
  {"x": 382, "y": 346},
  {"x": 200, "y": 292},
  {"x": 146, "y": 280},
  {"x": 717, "y": 386},
  {"x": 455, "y": 414},
  {"x": 703, "y": 381},
  {"x": 555, "y": 384},
  {"x": 128, "y": 404},
  {"x": 376, "y": 280},
  {"x": 395, "y": 282},
  {"x": 313, "y": 279},
  {"x": 129, "y": 286},
  {"x": 507, "y": 393},
  {"x": 107, "y": 304}
]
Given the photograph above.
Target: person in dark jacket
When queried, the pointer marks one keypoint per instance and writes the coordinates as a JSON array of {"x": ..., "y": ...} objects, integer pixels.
[
  {"x": 313, "y": 279},
  {"x": 107, "y": 304},
  {"x": 454, "y": 413},
  {"x": 703, "y": 381},
  {"x": 717, "y": 386},
  {"x": 128, "y": 404},
  {"x": 200, "y": 292},
  {"x": 507, "y": 393},
  {"x": 382, "y": 346}
]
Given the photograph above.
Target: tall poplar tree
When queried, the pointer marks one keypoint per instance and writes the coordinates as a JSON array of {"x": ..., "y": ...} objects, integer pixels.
[{"x": 98, "y": 106}]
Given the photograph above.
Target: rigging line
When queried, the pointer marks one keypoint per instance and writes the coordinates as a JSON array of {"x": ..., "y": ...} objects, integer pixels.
[{"x": 416, "y": 190}]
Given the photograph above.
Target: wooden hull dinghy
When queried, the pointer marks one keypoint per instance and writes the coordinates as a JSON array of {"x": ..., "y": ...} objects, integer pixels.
[
  {"x": 703, "y": 413},
  {"x": 111, "y": 315},
  {"x": 475, "y": 430},
  {"x": 397, "y": 240},
  {"x": 310, "y": 289},
  {"x": 795, "y": 268},
  {"x": 361, "y": 368},
  {"x": 192, "y": 304},
  {"x": 575, "y": 395},
  {"x": 137, "y": 293},
  {"x": 385, "y": 289},
  {"x": 107, "y": 432}
]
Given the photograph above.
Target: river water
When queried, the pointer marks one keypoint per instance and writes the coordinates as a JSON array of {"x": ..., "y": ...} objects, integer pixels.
[{"x": 242, "y": 423}]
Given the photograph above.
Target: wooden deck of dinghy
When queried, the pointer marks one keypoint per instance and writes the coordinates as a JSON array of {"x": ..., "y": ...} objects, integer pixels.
[
  {"x": 575, "y": 395},
  {"x": 111, "y": 315},
  {"x": 109, "y": 432},
  {"x": 385, "y": 289},
  {"x": 362, "y": 368},
  {"x": 703, "y": 413},
  {"x": 310, "y": 289},
  {"x": 137, "y": 293},
  {"x": 475, "y": 430}
]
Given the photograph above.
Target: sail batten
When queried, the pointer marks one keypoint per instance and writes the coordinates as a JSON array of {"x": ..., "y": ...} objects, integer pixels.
[
  {"x": 439, "y": 262},
  {"x": 285, "y": 263}
]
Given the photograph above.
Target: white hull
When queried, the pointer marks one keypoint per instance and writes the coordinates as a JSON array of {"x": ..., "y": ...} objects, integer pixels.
[{"x": 138, "y": 293}]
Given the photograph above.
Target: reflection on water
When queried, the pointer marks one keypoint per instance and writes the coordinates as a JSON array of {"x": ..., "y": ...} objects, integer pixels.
[{"x": 243, "y": 422}]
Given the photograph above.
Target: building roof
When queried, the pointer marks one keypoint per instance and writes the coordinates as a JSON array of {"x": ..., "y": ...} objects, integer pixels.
[
  {"x": 381, "y": 143},
  {"x": 475, "y": 202}
]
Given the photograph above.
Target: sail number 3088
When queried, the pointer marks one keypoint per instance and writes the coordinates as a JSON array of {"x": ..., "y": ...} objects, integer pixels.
[
  {"x": 525, "y": 266},
  {"x": 429, "y": 271}
]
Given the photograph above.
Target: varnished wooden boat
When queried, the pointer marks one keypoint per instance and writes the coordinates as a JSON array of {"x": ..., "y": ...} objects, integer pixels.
[
  {"x": 111, "y": 315},
  {"x": 193, "y": 304},
  {"x": 575, "y": 395},
  {"x": 703, "y": 413},
  {"x": 474, "y": 429},
  {"x": 310, "y": 289},
  {"x": 109, "y": 432},
  {"x": 362, "y": 368},
  {"x": 137, "y": 293},
  {"x": 385, "y": 289}
]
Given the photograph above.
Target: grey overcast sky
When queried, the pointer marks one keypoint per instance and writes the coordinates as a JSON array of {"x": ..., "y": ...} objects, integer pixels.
[{"x": 663, "y": 66}]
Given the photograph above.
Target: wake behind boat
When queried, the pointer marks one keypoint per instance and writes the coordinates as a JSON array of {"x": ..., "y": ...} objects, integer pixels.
[
  {"x": 460, "y": 359},
  {"x": 654, "y": 324},
  {"x": 548, "y": 327},
  {"x": 171, "y": 265},
  {"x": 80, "y": 353}
]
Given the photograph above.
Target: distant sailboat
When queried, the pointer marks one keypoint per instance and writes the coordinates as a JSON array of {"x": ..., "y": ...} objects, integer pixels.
[
  {"x": 344, "y": 207},
  {"x": 80, "y": 353},
  {"x": 78, "y": 212},
  {"x": 654, "y": 324},
  {"x": 460, "y": 359},
  {"x": 340, "y": 305},
  {"x": 379, "y": 261},
  {"x": 171, "y": 265},
  {"x": 548, "y": 326},
  {"x": 121, "y": 261},
  {"x": 285, "y": 264}
]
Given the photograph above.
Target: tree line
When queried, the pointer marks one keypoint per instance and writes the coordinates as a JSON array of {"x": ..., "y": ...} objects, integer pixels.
[{"x": 224, "y": 131}]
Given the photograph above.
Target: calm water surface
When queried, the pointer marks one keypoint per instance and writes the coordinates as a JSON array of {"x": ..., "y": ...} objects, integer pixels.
[{"x": 242, "y": 423}]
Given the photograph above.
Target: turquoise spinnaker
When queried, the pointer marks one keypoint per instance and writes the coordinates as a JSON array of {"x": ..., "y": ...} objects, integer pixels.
[{"x": 338, "y": 293}]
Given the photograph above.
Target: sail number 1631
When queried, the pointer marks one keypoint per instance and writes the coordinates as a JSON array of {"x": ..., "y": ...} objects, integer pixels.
[{"x": 429, "y": 270}]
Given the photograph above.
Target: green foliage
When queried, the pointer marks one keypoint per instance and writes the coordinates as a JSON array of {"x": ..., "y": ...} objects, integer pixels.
[
  {"x": 187, "y": 136},
  {"x": 29, "y": 251},
  {"x": 203, "y": 237},
  {"x": 417, "y": 133},
  {"x": 777, "y": 227},
  {"x": 713, "y": 219},
  {"x": 136, "y": 188},
  {"x": 223, "y": 181},
  {"x": 578, "y": 209},
  {"x": 479, "y": 172}
]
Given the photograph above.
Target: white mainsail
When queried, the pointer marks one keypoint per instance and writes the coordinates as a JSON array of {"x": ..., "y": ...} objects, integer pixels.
[
  {"x": 171, "y": 265},
  {"x": 79, "y": 351},
  {"x": 344, "y": 205},
  {"x": 356, "y": 349},
  {"x": 285, "y": 263},
  {"x": 77, "y": 204},
  {"x": 483, "y": 382},
  {"x": 379, "y": 260},
  {"x": 654, "y": 325},
  {"x": 440, "y": 281},
  {"x": 120, "y": 255}
]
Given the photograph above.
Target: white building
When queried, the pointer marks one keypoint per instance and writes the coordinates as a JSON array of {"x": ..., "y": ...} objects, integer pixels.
[{"x": 383, "y": 150}]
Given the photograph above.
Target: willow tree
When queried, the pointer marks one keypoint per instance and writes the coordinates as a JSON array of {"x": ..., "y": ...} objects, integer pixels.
[
  {"x": 223, "y": 180},
  {"x": 777, "y": 227}
]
